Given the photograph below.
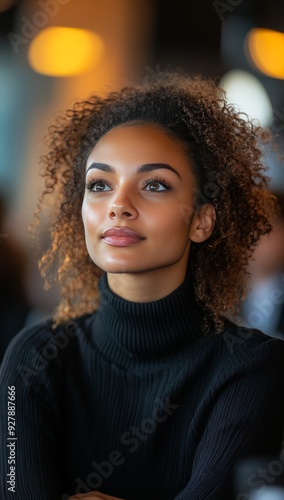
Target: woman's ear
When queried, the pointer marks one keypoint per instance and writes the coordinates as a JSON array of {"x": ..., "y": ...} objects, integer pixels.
[{"x": 202, "y": 224}]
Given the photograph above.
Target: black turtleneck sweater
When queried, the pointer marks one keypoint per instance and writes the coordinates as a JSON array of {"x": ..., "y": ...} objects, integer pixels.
[{"x": 134, "y": 401}]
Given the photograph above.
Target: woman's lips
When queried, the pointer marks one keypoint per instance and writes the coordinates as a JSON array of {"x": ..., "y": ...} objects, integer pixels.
[{"x": 121, "y": 237}]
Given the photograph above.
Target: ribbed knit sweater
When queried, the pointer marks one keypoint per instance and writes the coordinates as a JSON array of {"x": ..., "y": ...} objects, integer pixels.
[{"x": 136, "y": 402}]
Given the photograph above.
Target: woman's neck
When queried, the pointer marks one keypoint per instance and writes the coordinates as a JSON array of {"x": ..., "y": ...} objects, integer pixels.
[
  {"x": 146, "y": 287},
  {"x": 129, "y": 332}
]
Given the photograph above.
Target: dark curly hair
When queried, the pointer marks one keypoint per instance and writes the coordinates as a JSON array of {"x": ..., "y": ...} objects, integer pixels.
[{"x": 230, "y": 170}]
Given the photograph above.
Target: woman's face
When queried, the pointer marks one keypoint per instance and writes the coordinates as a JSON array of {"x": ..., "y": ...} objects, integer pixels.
[{"x": 138, "y": 203}]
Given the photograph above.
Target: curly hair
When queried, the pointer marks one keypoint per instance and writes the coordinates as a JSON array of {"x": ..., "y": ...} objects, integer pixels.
[{"x": 230, "y": 170}]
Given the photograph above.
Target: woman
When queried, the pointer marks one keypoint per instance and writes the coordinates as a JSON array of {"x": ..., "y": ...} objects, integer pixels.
[{"x": 142, "y": 387}]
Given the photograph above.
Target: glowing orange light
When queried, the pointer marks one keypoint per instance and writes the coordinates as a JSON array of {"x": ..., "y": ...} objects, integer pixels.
[
  {"x": 266, "y": 49},
  {"x": 60, "y": 51}
]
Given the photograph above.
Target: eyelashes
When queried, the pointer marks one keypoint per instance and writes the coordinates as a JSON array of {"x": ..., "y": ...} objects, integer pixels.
[
  {"x": 157, "y": 180},
  {"x": 156, "y": 185},
  {"x": 92, "y": 184}
]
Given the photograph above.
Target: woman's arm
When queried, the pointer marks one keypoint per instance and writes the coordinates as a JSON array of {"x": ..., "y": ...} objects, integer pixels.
[
  {"x": 30, "y": 461},
  {"x": 246, "y": 420}
]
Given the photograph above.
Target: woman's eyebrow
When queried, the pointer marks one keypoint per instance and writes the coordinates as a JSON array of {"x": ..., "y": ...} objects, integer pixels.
[
  {"x": 147, "y": 167},
  {"x": 101, "y": 166}
]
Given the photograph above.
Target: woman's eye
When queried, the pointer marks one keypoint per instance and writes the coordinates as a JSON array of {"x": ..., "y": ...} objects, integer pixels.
[
  {"x": 155, "y": 186},
  {"x": 98, "y": 186}
]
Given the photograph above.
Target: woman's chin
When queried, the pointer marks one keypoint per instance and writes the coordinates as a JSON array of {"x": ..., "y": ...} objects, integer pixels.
[{"x": 118, "y": 267}]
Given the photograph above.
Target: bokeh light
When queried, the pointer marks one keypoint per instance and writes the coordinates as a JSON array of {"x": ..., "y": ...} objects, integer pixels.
[
  {"x": 61, "y": 51},
  {"x": 247, "y": 94},
  {"x": 266, "y": 49}
]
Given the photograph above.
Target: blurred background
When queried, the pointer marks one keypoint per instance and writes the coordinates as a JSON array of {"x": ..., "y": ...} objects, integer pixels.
[{"x": 54, "y": 52}]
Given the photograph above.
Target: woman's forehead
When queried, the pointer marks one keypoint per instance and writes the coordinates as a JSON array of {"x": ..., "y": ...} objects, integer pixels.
[{"x": 139, "y": 143}]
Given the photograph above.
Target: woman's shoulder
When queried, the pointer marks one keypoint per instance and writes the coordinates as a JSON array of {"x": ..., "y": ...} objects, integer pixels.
[
  {"x": 240, "y": 355},
  {"x": 30, "y": 337},
  {"x": 246, "y": 345},
  {"x": 36, "y": 335},
  {"x": 39, "y": 348}
]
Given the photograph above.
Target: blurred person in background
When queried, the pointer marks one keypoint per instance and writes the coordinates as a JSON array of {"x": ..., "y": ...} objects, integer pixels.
[
  {"x": 14, "y": 302},
  {"x": 158, "y": 197},
  {"x": 264, "y": 306},
  {"x": 21, "y": 300}
]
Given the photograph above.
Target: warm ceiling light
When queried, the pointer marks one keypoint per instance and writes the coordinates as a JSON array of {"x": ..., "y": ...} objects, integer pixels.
[
  {"x": 65, "y": 51},
  {"x": 266, "y": 49}
]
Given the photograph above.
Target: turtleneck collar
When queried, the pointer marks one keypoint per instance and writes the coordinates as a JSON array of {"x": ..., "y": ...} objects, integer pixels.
[{"x": 130, "y": 332}]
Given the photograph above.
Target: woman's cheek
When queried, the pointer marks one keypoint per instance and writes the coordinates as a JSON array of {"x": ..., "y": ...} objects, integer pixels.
[{"x": 90, "y": 217}]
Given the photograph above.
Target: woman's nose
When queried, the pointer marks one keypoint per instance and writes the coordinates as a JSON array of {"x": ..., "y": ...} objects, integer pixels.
[{"x": 122, "y": 207}]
